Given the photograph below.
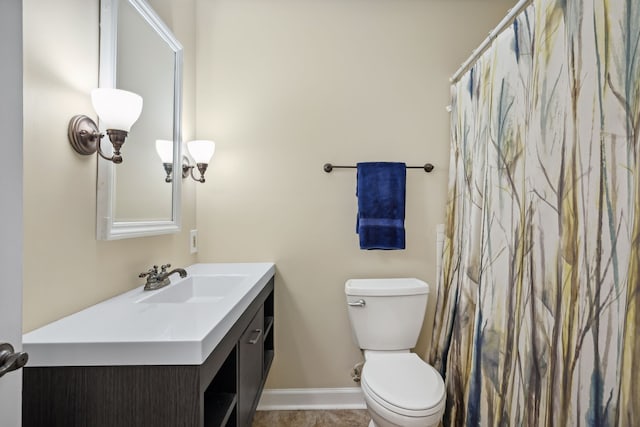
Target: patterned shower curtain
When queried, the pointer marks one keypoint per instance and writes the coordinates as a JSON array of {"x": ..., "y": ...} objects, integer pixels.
[{"x": 538, "y": 309}]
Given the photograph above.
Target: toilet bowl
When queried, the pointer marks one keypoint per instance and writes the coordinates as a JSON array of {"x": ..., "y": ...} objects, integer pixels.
[
  {"x": 399, "y": 388},
  {"x": 402, "y": 390}
]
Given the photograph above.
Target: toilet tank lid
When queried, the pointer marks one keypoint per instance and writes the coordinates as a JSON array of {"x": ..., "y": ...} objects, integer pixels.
[{"x": 385, "y": 287}]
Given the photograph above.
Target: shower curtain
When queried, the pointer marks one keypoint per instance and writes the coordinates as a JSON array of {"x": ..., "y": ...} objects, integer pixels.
[{"x": 538, "y": 306}]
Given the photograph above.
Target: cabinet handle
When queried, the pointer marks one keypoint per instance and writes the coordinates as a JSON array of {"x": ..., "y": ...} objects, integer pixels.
[{"x": 257, "y": 338}]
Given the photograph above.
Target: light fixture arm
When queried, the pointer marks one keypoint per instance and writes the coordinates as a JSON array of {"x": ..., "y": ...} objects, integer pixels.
[
  {"x": 85, "y": 138},
  {"x": 187, "y": 170},
  {"x": 202, "y": 167}
]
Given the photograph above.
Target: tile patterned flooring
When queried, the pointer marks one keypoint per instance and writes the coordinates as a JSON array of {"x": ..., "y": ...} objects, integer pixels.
[{"x": 343, "y": 418}]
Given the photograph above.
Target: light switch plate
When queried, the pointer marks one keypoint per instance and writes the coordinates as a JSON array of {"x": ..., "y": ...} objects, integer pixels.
[{"x": 193, "y": 241}]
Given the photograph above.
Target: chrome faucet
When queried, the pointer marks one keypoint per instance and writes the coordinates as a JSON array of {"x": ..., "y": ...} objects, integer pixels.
[{"x": 159, "y": 279}]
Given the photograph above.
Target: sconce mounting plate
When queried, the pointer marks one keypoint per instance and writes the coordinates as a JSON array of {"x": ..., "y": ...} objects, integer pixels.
[
  {"x": 83, "y": 134},
  {"x": 185, "y": 167}
]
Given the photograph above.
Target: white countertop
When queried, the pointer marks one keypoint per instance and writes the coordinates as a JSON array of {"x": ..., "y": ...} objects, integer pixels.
[{"x": 121, "y": 331}]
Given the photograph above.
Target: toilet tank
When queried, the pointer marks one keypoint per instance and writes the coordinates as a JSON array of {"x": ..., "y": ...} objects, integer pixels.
[{"x": 386, "y": 314}]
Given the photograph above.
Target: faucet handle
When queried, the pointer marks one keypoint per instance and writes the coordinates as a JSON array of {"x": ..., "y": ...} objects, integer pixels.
[
  {"x": 164, "y": 268},
  {"x": 153, "y": 271}
]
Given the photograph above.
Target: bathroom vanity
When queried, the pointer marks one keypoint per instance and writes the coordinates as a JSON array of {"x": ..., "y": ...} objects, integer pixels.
[{"x": 195, "y": 353}]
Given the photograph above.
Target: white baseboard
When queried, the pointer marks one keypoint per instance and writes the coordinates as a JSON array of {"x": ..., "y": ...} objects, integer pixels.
[{"x": 311, "y": 398}]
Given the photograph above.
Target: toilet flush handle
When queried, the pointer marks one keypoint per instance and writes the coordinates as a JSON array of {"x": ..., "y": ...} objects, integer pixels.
[{"x": 359, "y": 303}]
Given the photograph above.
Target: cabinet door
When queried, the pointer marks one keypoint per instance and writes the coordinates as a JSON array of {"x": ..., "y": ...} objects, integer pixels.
[{"x": 250, "y": 370}]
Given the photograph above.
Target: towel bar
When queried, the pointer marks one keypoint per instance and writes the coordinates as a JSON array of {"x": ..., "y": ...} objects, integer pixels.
[{"x": 328, "y": 167}]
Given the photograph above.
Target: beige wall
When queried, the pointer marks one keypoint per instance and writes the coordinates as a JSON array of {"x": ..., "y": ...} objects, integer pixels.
[
  {"x": 287, "y": 85},
  {"x": 65, "y": 268},
  {"x": 283, "y": 87}
]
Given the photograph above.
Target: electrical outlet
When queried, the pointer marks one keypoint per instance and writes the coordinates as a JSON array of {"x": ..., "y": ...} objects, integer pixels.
[{"x": 193, "y": 241}]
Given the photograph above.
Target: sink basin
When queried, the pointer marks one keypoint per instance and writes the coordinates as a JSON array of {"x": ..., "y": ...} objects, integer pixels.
[
  {"x": 196, "y": 289},
  {"x": 180, "y": 324}
]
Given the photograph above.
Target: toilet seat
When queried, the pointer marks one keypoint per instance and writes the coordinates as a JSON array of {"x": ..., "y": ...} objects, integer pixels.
[{"x": 404, "y": 384}]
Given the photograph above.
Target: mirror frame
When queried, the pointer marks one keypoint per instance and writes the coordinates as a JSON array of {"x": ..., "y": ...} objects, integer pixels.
[{"x": 107, "y": 228}]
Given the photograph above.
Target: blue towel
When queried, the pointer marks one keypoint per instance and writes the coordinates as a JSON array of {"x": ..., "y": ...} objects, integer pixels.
[{"x": 381, "y": 194}]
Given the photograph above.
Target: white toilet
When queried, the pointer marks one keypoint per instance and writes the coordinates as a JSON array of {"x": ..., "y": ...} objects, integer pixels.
[{"x": 399, "y": 388}]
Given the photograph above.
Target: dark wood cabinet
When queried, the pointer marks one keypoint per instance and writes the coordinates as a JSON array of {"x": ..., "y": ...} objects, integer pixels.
[
  {"x": 223, "y": 391},
  {"x": 250, "y": 371}
]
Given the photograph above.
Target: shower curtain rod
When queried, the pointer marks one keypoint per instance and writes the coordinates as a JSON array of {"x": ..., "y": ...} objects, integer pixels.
[{"x": 506, "y": 21}]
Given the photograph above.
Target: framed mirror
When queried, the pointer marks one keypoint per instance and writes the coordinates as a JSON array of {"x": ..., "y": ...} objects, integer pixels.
[{"x": 138, "y": 53}]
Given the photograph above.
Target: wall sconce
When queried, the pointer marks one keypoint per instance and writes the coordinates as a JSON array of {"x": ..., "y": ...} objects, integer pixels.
[
  {"x": 202, "y": 152},
  {"x": 164, "y": 148},
  {"x": 118, "y": 110}
]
